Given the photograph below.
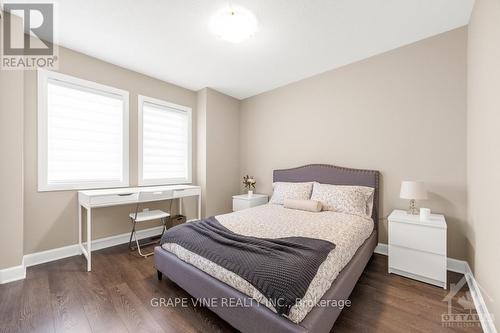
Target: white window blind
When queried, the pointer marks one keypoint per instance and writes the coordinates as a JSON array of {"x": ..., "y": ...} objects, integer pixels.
[
  {"x": 164, "y": 142},
  {"x": 83, "y": 134}
]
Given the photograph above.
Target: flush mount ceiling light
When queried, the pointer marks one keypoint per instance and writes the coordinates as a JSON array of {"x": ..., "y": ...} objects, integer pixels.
[{"x": 233, "y": 24}]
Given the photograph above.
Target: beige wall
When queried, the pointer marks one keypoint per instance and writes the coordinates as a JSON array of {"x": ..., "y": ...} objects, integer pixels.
[
  {"x": 11, "y": 167},
  {"x": 50, "y": 218},
  {"x": 202, "y": 146},
  {"x": 402, "y": 112},
  {"x": 218, "y": 150},
  {"x": 483, "y": 139},
  {"x": 223, "y": 134}
]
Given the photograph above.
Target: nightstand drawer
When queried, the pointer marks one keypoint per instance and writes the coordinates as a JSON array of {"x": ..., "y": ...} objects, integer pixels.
[
  {"x": 418, "y": 237},
  {"x": 240, "y": 204},
  {"x": 244, "y": 201},
  {"x": 421, "y": 264}
]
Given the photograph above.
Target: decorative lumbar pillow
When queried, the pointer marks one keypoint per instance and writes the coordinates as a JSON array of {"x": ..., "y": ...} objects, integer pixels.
[
  {"x": 298, "y": 191},
  {"x": 307, "y": 205},
  {"x": 344, "y": 199}
]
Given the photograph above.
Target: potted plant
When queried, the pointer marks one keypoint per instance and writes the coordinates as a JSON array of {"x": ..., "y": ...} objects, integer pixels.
[{"x": 249, "y": 183}]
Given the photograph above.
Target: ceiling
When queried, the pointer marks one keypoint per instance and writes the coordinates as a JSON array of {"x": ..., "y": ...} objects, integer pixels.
[{"x": 170, "y": 39}]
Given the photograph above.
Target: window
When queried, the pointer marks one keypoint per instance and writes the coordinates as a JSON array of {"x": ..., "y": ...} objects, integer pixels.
[
  {"x": 164, "y": 142},
  {"x": 82, "y": 134}
]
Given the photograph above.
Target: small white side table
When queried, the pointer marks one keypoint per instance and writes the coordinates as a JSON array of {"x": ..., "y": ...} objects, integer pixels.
[
  {"x": 245, "y": 201},
  {"x": 417, "y": 249}
]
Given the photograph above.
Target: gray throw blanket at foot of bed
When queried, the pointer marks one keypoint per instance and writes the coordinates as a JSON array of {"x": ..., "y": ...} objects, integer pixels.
[{"x": 281, "y": 269}]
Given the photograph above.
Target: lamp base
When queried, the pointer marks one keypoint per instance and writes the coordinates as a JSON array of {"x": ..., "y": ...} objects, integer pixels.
[{"x": 412, "y": 210}]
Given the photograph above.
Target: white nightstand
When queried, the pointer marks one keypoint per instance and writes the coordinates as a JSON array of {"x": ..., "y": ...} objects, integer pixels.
[
  {"x": 417, "y": 249},
  {"x": 244, "y": 201}
]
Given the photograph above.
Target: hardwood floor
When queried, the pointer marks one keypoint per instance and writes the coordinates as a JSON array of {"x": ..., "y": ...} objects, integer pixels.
[{"x": 116, "y": 297}]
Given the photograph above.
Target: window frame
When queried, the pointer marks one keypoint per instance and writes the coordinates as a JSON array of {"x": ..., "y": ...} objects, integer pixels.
[
  {"x": 141, "y": 99},
  {"x": 43, "y": 78}
]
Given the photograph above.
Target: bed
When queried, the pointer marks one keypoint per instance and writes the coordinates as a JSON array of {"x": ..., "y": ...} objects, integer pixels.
[{"x": 251, "y": 316}]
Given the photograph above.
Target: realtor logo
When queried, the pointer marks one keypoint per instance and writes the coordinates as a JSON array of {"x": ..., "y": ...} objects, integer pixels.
[
  {"x": 464, "y": 314},
  {"x": 27, "y": 36}
]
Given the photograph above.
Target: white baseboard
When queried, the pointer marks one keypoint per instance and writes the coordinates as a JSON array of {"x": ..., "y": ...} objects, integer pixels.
[
  {"x": 42, "y": 257},
  {"x": 454, "y": 265},
  {"x": 382, "y": 249},
  {"x": 12, "y": 274},
  {"x": 484, "y": 315},
  {"x": 457, "y": 266},
  {"x": 19, "y": 272}
]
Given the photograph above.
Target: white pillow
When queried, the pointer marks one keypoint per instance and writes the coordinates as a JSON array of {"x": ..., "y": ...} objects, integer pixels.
[
  {"x": 297, "y": 191},
  {"x": 344, "y": 199}
]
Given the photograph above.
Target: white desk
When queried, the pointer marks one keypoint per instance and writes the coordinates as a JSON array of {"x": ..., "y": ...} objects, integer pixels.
[{"x": 125, "y": 196}]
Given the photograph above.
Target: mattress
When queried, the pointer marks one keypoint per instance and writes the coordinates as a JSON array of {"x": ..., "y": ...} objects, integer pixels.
[{"x": 346, "y": 231}]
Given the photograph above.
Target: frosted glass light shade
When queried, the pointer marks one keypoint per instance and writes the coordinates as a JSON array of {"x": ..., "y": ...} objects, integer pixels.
[
  {"x": 413, "y": 190},
  {"x": 233, "y": 24}
]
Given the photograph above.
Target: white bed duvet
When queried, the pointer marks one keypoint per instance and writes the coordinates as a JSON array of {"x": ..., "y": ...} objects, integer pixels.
[{"x": 347, "y": 232}]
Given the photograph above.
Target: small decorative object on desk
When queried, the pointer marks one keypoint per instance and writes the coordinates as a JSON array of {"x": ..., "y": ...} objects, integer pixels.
[
  {"x": 413, "y": 190},
  {"x": 249, "y": 183}
]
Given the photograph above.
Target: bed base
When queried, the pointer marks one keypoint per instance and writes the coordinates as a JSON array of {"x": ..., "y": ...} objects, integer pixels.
[{"x": 252, "y": 317}]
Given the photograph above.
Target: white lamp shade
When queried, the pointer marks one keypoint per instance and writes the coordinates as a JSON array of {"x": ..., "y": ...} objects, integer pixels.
[{"x": 413, "y": 190}]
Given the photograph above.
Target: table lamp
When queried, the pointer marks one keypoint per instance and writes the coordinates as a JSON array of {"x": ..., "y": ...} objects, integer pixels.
[{"x": 413, "y": 190}]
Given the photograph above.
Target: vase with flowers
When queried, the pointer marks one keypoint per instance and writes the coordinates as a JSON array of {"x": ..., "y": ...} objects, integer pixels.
[{"x": 249, "y": 183}]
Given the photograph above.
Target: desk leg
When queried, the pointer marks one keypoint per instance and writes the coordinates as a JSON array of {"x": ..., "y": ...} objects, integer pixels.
[
  {"x": 199, "y": 207},
  {"x": 79, "y": 226},
  {"x": 180, "y": 206},
  {"x": 89, "y": 239}
]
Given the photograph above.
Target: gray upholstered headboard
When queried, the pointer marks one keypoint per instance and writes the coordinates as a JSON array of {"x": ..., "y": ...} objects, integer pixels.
[{"x": 331, "y": 174}]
